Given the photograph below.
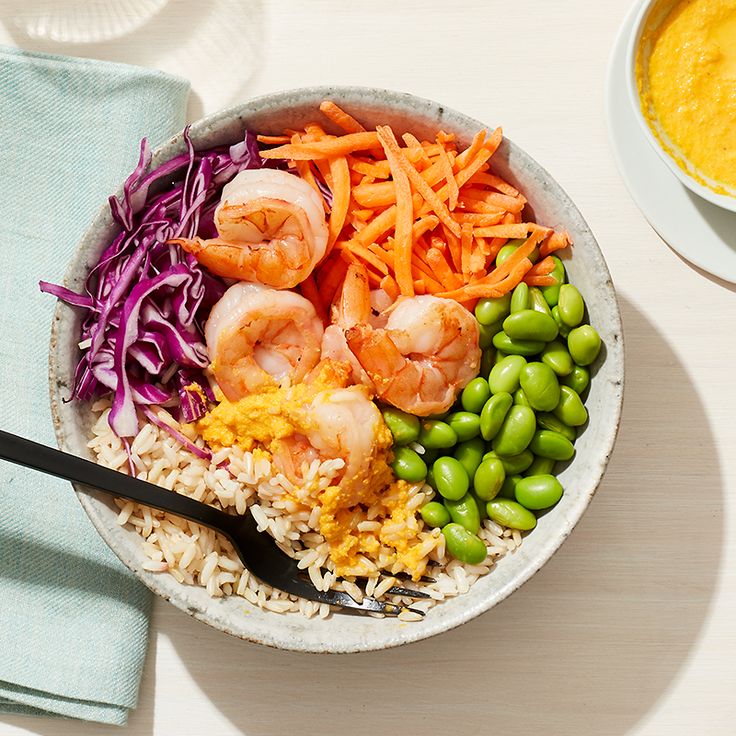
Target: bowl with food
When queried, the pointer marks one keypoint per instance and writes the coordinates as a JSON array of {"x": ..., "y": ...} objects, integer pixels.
[
  {"x": 369, "y": 321},
  {"x": 681, "y": 74}
]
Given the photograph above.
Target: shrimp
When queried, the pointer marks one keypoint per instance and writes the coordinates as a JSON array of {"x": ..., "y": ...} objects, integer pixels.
[
  {"x": 426, "y": 353},
  {"x": 272, "y": 230},
  {"x": 258, "y": 336}
]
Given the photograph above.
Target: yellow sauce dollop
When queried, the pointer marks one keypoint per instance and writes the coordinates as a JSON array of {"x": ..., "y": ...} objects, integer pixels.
[{"x": 686, "y": 75}]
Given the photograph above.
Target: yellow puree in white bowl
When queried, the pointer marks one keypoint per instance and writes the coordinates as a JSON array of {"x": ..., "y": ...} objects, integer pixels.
[{"x": 686, "y": 76}]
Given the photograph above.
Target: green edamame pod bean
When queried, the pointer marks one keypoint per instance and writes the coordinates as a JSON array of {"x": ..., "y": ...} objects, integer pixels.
[
  {"x": 584, "y": 344},
  {"x": 520, "y": 298},
  {"x": 408, "y": 465},
  {"x": 464, "y": 424},
  {"x": 486, "y": 361},
  {"x": 489, "y": 478},
  {"x": 450, "y": 478},
  {"x": 463, "y": 545},
  {"x": 561, "y": 326},
  {"x": 486, "y": 333},
  {"x": 570, "y": 410},
  {"x": 509, "y": 513},
  {"x": 516, "y": 432},
  {"x": 493, "y": 414},
  {"x": 546, "y": 443},
  {"x": 541, "y": 466},
  {"x": 465, "y": 512},
  {"x": 520, "y": 397},
  {"x": 404, "y": 427},
  {"x": 556, "y": 356},
  {"x": 513, "y": 464},
  {"x": 470, "y": 454},
  {"x": 537, "y": 492},
  {"x": 502, "y": 341},
  {"x": 435, "y": 514},
  {"x": 552, "y": 293},
  {"x": 437, "y": 434},
  {"x": 540, "y": 386},
  {"x": 507, "y": 251},
  {"x": 530, "y": 325},
  {"x": 504, "y": 375},
  {"x": 480, "y": 504},
  {"x": 475, "y": 394},
  {"x": 571, "y": 306},
  {"x": 537, "y": 302},
  {"x": 507, "y": 489},
  {"x": 494, "y": 309},
  {"x": 549, "y": 421},
  {"x": 578, "y": 379}
]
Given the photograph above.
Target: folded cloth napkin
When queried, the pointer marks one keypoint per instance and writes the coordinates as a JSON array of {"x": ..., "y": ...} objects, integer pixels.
[{"x": 73, "y": 620}]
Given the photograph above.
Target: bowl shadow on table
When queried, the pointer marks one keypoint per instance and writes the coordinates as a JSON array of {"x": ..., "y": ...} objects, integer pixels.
[
  {"x": 589, "y": 645},
  {"x": 181, "y": 34}
]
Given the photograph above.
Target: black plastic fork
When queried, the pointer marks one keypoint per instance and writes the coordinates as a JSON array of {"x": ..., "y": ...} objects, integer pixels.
[{"x": 257, "y": 550}]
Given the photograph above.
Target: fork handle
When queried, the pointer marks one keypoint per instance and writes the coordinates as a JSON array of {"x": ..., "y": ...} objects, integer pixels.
[{"x": 72, "y": 468}]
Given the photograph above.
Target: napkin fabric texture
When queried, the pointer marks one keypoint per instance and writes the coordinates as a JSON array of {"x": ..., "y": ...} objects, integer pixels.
[{"x": 73, "y": 620}]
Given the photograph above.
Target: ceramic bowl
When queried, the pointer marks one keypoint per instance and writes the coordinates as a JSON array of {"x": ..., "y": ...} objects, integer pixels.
[
  {"x": 650, "y": 14},
  {"x": 341, "y": 632}
]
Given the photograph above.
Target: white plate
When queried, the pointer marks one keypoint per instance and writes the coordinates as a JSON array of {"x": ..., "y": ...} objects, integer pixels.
[{"x": 700, "y": 232}]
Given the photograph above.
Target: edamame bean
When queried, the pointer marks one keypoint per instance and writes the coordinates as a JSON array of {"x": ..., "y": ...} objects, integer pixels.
[
  {"x": 510, "y": 346},
  {"x": 541, "y": 466},
  {"x": 530, "y": 325},
  {"x": 507, "y": 251},
  {"x": 513, "y": 464},
  {"x": 475, "y": 395},
  {"x": 408, "y": 465},
  {"x": 470, "y": 454},
  {"x": 450, "y": 478},
  {"x": 537, "y": 302},
  {"x": 516, "y": 431},
  {"x": 540, "y": 386},
  {"x": 465, "y": 512},
  {"x": 486, "y": 333},
  {"x": 464, "y": 424},
  {"x": 584, "y": 344},
  {"x": 404, "y": 427},
  {"x": 552, "y": 293},
  {"x": 492, "y": 310},
  {"x": 504, "y": 375},
  {"x": 486, "y": 361},
  {"x": 510, "y": 513},
  {"x": 493, "y": 414},
  {"x": 463, "y": 545},
  {"x": 578, "y": 380},
  {"x": 507, "y": 489},
  {"x": 570, "y": 410},
  {"x": 556, "y": 356},
  {"x": 489, "y": 478},
  {"x": 546, "y": 443},
  {"x": 570, "y": 305},
  {"x": 435, "y": 514},
  {"x": 537, "y": 492},
  {"x": 520, "y": 398},
  {"x": 437, "y": 434},
  {"x": 520, "y": 298},
  {"x": 561, "y": 326},
  {"x": 549, "y": 421}
]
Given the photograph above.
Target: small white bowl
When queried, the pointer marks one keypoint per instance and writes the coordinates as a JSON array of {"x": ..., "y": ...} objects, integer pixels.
[
  {"x": 587, "y": 269},
  {"x": 646, "y": 12}
]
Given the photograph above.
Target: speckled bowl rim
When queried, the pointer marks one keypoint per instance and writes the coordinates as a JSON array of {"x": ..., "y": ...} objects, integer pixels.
[{"x": 292, "y": 631}]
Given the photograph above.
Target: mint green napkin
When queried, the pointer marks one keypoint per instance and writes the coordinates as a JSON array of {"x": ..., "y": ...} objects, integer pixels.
[{"x": 73, "y": 620}]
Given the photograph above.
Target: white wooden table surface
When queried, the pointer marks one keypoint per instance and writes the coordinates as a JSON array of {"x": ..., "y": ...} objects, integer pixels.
[{"x": 630, "y": 628}]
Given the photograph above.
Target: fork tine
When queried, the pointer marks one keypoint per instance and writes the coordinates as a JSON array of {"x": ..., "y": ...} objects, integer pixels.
[
  {"x": 408, "y": 592},
  {"x": 367, "y": 605}
]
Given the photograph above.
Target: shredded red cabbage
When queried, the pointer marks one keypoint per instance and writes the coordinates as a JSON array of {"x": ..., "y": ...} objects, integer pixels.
[{"x": 146, "y": 300}]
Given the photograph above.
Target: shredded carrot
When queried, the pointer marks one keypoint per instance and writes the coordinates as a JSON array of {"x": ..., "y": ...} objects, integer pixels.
[
  {"x": 338, "y": 116},
  {"x": 340, "y": 186},
  {"x": 445, "y": 274},
  {"x": 389, "y": 285},
  {"x": 272, "y": 140},
  {"x": 556, "y": 241},
  {"x": 324, "y": 149},
  {"x": 466, "y": 243},
  {"x": 540, "y": 280},
  {"x": 543, "y": 267},
  {"x": 449, "y": 177},
  {"x": 309, "y": 290}
]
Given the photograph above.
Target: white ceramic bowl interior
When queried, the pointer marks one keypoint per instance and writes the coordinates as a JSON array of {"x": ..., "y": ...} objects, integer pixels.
[
  {"x": 587, "y": 269},
  {"x": 655, "y": 11}
]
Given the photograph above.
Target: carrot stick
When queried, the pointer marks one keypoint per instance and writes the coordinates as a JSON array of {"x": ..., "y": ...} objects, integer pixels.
[
  {"x": 466, "y": 242},
  {"x": 491, "y": 180},
  {"x": 309, "y": 290},
  {"x": 478, "y": 219},
  {"x": 325, "y": 148},
  {"x": 360, "y": 251},
  {"x": 517, "y": 230},
  {"x": 389, "y": 285},
  {"x": 338, "y": 116},
  {"x": 453, "y": 245},
  {"x": 543, "y": 267},
  {"x": 429, "y": 195},
  {"x": 540, "y": 280},
  {"x": 340, "y": 198},
  {"x": 272, "y": 140},
  {"x": 442, "y": 270},
  {"x": 424, "y": 224},
  {"x": 404, "y": 211},
  {"x": 382, "y": 193},
  {"x": 556, "y": 241},
  {"x": 499, "y": 288},
  {"x": 379, "y": 226},
  {"x": 378, "y": 170},
  {"x": 449, "y": 177},
  {"x": 471, "y": 151}
]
